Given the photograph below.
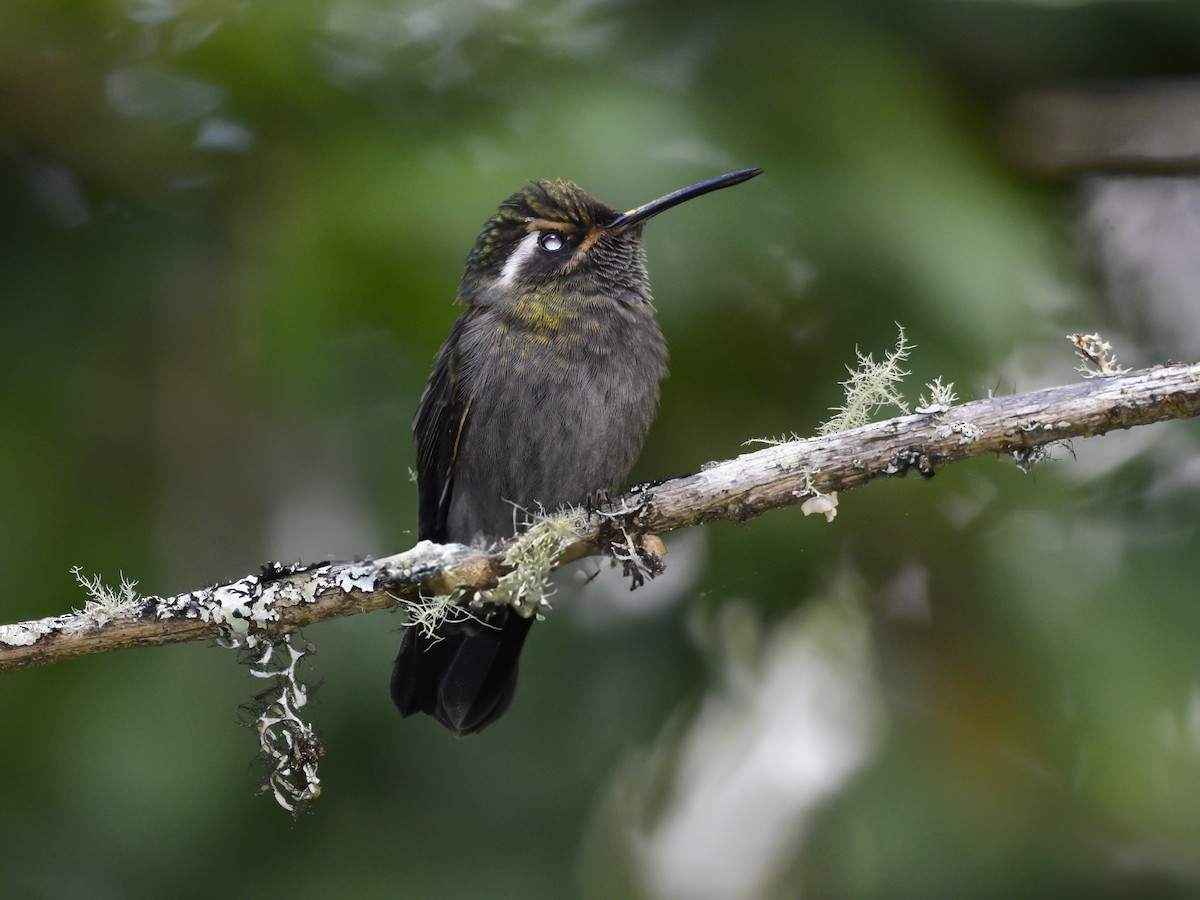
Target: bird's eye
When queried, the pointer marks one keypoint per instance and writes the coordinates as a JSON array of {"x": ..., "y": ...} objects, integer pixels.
[{"x": 551, "y": 241}]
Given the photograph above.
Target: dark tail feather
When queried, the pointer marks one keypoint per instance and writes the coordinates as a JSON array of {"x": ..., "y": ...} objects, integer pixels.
[{"x": 466, "y": 676}]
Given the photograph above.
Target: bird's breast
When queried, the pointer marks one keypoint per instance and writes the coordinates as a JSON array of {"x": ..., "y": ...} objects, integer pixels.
[{"x": 560, "y": 403}]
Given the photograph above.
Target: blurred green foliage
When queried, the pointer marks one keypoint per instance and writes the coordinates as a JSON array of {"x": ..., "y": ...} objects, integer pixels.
[{"x": 231, "y": 239}]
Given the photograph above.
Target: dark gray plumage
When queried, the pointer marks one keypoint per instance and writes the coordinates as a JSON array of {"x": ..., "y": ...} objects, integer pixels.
[{"x": 540, "y": 398}]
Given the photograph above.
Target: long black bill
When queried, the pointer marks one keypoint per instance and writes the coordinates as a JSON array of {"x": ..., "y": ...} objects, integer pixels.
[{"x": 654, "y": 207}]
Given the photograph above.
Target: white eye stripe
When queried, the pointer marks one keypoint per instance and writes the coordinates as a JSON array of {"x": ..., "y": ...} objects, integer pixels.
[{"x": 516, "y": 260}]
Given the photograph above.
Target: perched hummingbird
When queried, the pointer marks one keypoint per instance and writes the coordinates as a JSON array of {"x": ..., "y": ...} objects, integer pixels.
[{"x": 540, "y": 398}]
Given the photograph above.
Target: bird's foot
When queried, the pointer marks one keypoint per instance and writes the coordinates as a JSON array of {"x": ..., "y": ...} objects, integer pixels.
[
  {"x": 623, "y": 537},
  {"x": 598, "y": 502}
]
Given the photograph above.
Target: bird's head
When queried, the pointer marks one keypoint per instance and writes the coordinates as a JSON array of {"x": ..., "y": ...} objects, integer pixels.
[{"x": 555, "y": 233}]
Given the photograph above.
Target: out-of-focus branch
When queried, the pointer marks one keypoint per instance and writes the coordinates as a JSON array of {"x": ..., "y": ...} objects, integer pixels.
[
  {"x": 282, "y": 598},
  {"x": 1127, "y": 128}
]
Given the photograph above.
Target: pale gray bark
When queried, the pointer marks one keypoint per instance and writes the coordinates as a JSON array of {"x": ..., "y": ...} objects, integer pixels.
[{"x": 282, "y": 599}]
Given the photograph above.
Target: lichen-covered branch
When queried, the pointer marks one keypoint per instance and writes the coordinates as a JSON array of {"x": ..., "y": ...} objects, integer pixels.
[
  {"x": 275, "y": 601},
  {"x": 282, "y": 598}
]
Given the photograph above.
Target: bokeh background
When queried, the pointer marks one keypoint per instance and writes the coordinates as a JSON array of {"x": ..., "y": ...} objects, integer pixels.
[{"x": 230, "y": 242}]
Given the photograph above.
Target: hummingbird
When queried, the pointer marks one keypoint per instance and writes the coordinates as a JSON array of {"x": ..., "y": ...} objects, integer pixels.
[{"x": 540, "y": 398}]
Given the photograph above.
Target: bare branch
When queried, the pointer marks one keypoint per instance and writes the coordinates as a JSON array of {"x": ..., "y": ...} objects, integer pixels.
[{"x": 283, "y": 598}]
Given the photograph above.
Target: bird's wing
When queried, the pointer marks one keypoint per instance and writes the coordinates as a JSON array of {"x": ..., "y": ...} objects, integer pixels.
[{"x": 438, "y": 429}]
